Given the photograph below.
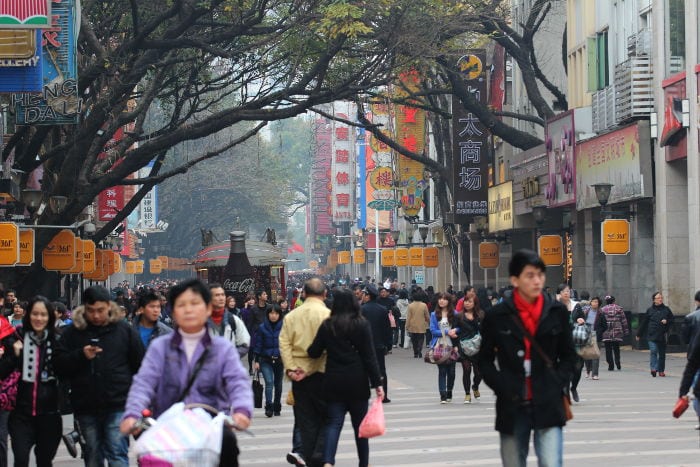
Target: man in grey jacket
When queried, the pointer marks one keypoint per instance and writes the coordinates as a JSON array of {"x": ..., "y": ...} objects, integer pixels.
[{"x": 224, "y": 323}]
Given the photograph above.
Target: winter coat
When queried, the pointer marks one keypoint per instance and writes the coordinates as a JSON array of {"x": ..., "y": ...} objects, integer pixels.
[
  {"x": 652, "y": 328},
  {"x": 402, "y": 305},
  {"x": 161, "y": 329},
  {"x": 417, "y": 317},
  {"x": 617, "y": 323},
  {"x": 37, "y": 397},
  {"x": 101, "y": 384},
  {"x": 221, "y": 382},
  {"x": 233, "y": 329},
  {"x": 351, "y": 362},
  {"x": 378, "y": 317},
  {"x": 691, "y": 368},
  {"x": 501, "y": 361},
  {"x": 267, "y": 345},
  {"x": 600, "y": 324},
  {"x": 691, "y": 328}
]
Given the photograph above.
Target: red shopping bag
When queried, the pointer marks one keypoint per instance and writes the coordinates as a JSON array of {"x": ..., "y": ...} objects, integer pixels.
[{"x": 373, "y": 424}]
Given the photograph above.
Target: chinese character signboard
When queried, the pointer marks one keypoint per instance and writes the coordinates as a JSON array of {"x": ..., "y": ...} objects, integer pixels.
[
  {"x": 410, "y": 133},
  {"x": 470, "y": 146},
  {"x": 25, "y": 14},
  {"x": 21, "y": 62},
  {"x": 321, "y": 210},
  {"x": 111, "y": 200},
  {"x": 343, "y": 166},
  {"x": 380, "y": 175},
  {"x": 560, "y": 143},
  {"x": 623, "y": 158},
  {"x": 58, "y": 102},
  {"x": 148, "y": 208}
]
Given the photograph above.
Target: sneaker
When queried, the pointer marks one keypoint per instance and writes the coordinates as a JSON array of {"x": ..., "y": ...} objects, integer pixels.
[
  {"x": 468, "y": 399},
  {"x": 595, "y": 378},
  {"x": 443, "y": 401},
  {"x": 386, "y": 400},
  {"x": 295, "y": 459},
  {"x": 653, "y": 373},
  {"x": 477, "y": 394},
  {"x": 588, "y": 374},
  {"x": 662, "y": 374}
]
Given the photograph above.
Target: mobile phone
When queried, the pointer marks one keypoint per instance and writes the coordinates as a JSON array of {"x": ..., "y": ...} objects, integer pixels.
[{"x": 95, "y": 341}]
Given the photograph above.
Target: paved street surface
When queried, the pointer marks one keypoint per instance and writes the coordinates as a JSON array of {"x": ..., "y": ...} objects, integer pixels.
[{"x": 623, "y": 419}]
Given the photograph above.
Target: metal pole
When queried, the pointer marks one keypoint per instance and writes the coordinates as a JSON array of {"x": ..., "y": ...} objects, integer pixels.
[
  {"x": 459, "y": 257},
  {"x": 376, "y": 245}
]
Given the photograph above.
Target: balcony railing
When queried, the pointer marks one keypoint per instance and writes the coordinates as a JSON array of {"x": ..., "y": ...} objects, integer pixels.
[
  {"x": 603, "y": 109},
  {"x": 634, "y": 93}
]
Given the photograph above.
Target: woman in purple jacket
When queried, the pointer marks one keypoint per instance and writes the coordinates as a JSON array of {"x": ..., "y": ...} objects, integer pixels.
[{"x": 220, "y": 381}]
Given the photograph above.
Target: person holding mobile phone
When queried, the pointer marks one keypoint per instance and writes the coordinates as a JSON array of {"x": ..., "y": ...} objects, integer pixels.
[{"x": 99, "y": 354}]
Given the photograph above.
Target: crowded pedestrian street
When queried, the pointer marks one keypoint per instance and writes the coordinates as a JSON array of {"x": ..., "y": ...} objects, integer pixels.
[{"x": 623, "y": 419}]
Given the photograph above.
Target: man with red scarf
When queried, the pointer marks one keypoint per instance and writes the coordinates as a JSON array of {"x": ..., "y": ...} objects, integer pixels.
[{"x": 530, "y": 378}]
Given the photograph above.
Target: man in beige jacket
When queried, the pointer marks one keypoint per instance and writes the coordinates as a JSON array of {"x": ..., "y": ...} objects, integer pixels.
[{"x": 298, "y": 332}]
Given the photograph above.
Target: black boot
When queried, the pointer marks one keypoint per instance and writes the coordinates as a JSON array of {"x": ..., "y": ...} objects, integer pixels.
[
  {"x": 449, "y": 396},
  {"x": 443, "y": 397},
  {"x": 268, "y": 410},
  {"x": 277, "y": 408}
]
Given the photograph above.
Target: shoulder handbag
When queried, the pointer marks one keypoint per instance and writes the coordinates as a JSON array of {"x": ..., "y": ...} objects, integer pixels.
[
  {"x": 581, "y": 334},
  {"x": 566, "y": 402},
  {"x": 589, "y": 351},
  {"x": 441, "y": 351}
]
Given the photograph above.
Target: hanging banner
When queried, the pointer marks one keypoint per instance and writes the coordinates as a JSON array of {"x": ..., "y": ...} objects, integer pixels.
[
  {"x": 402, "y": 256},
  {"x": 111, "y": 200},
  {"x": 360, "y": 257},
  {"x": 148, "y": 207},
  {"x": 560, "y": 143},
  {"x": 388, "y": 258},
  {"x": 379, "y": 171},
  {"x": 471, "y": 145},
  {"x": 321, "y": 222},
  {"x": 25, "y": 14},
  {"x": 59, "y": 254},
  {"x": 9, "y": 244},
  {"x": 88, "y": 256},
  {"x": 489, "y": 255},
  {"x": 431, "y": 257},
  {"x": 615, "y": 236},
  {"x": 415, "y": 256},
  {"x": 343, "y": 165},
  {"x": 551, "y": 249},
  {"x": 410, "y": 133},
  {"x": 59, "y": 102},
  {"x": 26, "y": 247}
]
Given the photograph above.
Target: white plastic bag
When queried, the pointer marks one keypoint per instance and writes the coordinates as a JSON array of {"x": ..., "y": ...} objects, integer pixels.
[{"x": 183, "y": 437}]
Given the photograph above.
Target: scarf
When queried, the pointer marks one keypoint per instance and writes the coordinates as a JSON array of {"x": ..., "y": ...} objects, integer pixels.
[
  {"x": 530, "y": 314},
  {"x": 31, "y": 358},
  {"x": 217, "y": 316}
]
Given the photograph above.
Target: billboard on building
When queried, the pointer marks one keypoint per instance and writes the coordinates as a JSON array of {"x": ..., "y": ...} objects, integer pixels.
[
  {"x": 530, "y": 175},
  {"x": 560, "y": 143},
  {"x": 59, "y": 102},
  {"x": 379, "y": 171},
  {"x": 21, "y": 64},
  {"x": 25, "y": 14}
]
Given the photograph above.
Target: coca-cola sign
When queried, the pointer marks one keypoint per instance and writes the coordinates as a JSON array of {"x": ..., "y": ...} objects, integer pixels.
[{"x": 239, "y": 287}]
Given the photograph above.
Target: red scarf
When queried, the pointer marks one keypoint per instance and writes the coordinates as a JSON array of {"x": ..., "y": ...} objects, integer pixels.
[
  {"x": 217, "y": 316},
  {"x": 530, "y": 314}
]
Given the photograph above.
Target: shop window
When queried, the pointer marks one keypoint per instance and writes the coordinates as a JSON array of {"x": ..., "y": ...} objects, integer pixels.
[{"x": 675, "y": 36}]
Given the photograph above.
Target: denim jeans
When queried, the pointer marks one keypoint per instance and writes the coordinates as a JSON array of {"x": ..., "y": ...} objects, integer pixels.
[
  {"x": 549, "y": 443},
  {"x": 334, "y": 425},
  {"x": 272, "y": 373},
  {"x": 103, "y": 440},
  {"x": 657, "y": 356},
  {"x": 446, "y": 377}
]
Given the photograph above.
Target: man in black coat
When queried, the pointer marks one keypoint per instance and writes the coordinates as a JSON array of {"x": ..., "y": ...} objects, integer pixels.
[
  {"x": 529, "y": 378},
  {"x": 378, "y": 317},
  {"x": 99, "y": 354}
]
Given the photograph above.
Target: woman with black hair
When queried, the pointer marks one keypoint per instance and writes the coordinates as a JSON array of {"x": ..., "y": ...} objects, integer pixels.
[
  {"x": 444, "y": 323},
  {"x": 615, "y": 333},
  {"x": 36, "y": 420},
  {"x": 351, "y": 369}
]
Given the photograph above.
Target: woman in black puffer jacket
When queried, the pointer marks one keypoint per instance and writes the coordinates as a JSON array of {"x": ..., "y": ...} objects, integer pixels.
[{"x": 36, "y": 420}]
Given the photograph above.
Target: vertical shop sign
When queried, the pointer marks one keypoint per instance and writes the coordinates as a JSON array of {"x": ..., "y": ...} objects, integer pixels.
[
  {"x": 470, "y": 145},
  {"x": 343, "y": 167}
]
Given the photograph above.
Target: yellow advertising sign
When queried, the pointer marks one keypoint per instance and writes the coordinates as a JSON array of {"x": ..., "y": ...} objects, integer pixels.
[
  {"x": 154, "y": 266},
  {"x": 343, "y": 257},
  {"x": 88, "y": 256},
  {"x": 26, "y": 247},
  {"x": 164, "y": 262},
  {"x": 78, "y": 268},
  {"x": 415, "y": 256},
  {"x": 501, "y": 207},
  {"x": 431, "y": 257},
  {"x": 115, "y": 263},
  {"x": 130, "y": 267},
  {"x": 360, "y": 256},
  {"x": 9, "y": 244},
  {"x": 402, "y": 256},
  {"x": 551, "y": 249},
  {"x": 59, "y": 254},
  {"x": 139, "y": 267},
  {"x": 489, "y": 255},
  {"x": 100, "y": 273},
  {"x": 388, "y": 258},
  {"x": 615, "y": 236}
]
